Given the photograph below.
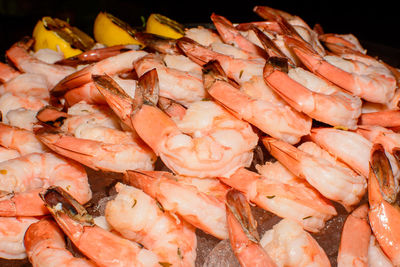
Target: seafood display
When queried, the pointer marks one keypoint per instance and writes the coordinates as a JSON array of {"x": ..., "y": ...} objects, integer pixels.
[{"x": 264, "y": 143}]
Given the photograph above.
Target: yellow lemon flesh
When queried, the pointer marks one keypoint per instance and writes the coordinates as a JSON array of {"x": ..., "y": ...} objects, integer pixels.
[
  {"x": 58, "y": 35},
  {"x": 163, "y": 26},
  {"x": 109, "y": 30}
]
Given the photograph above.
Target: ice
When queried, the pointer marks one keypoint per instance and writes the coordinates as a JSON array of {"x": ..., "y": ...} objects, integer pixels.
[
  {"x": 205, "y": 243},
  {"x": 221, "y": 256}
]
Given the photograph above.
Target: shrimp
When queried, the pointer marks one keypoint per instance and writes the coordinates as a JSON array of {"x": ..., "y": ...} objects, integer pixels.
[
  {"x": 11, "y": 102},
  {"x": 111, "y": 65},
  {"x": 333, "y": 40},
  {"x": 316, "y": 97},
  {"x": 332, "y": 179},
  {"x": 289, "y": 245},
  {"x": 7, "y": 72},
  {"x": 29, "y": 84},
  {"x": 377, "y": 134},
  {"x": 138, "y": 217},
  {"x": 384, "y": 118},
  {"x": 7, "y": 153},
  {"x": 256, "y": 103},
  {"x": 243, "y": 233},
  {"x": 95, "y": 55},
  {"x": 217, "y": 146},
  {"x": 292, "y": 25},
  {"x": 25, "y": 62},
  {"x": 102, "y": 247},
  {"x": 286, "y": 196},
  {"x": 360, "y": 76},
  {"x": 384, "y": 213},
  {"x": 356, "y": 227},
  {"x": 94, "y": 140},
  {"x": 45, "y": 246},
  {"x": 202, "y": 35},
  {"x": 238, "y": 69},
  {"x": 12, "y": 231},
  {"x": 24, "y": 141},
  {"x": 376, "y": 257},
  {"x": 230, "y": 35},
  {"x": 24, "y": 177},
  {"x": 350, "y": 147},
  {"x": 181, "y": 86},
  {"x": 204, "y": 211},
  {"x": 156, "y": 43}
]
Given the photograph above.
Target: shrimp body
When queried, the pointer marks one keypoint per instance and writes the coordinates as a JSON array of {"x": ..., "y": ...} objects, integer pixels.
[
  {"x": 365, "y": 78},
  {"x": 333, "y": 180},
  {"x": 202, "y": 210},
  {"x": 384, "y": 213},
  {"x": 243, "y": 235},
  {"x": 316, "y": 97},
  {"x": 206, "y": 142},
  {"x": 46, "y": 247},
  {"x": 289, "y": 245},
  {"x": 136, "y": 216},
  {"x": 26, "y": 62},
  {"x": 24, "y": 141},
  {"x": 357, "y": 228},
  {"x": 102, "y": 247},
  {"x": 24, "y": 177},
  {"x": 12, "y": 231},
  {"x": 256, "y": 103},
  {"x": 7, "y": 72},
  {"x": 283, "y": 194},
  {"x": 181, "y": 86}
]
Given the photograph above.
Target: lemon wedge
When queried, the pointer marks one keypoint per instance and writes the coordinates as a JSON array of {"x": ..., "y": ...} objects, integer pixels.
[
  {"x": 109, "y": 30},
  {"x": 163, "y": 26},
  {"x": 60, "y": 36}
]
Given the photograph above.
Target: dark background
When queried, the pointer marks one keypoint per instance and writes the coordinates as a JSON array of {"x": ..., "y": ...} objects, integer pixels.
[{"x": 375, "y": 24}]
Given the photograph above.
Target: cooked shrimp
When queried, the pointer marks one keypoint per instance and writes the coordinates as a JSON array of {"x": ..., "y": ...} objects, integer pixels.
[
  {"x": 243, "y": 233},
  {"x": 200, "y": 209},
  {"x": 95, "y": 55},
  {"x": 356, "y": 228},
  {"x": 230, "y": 35},
  {"x": 102, "y": 247},
  {"x": 384, "y": 213},
  {"x": 314, "y": 96},
  {"x": 24, "y": 177},
  {"x": 256, "y": 103},
  {"x": 376, "y": 257},
  {"x": 46, "y": 247},
  {"x": 181, "y": 86},
  {"x": 95, "y": 139},
  {"x": 111, "y": 65},
  {"x": 24, "y": 141},
  {"x": 138, "y": 217},
  {"x": 25, "y": 62},
  {"x": 293, "y": 25},
  {"x": 29, "y": 84},
  {"x": 332, "y": 40},
  {"x": 202, "y": 35},
  {"x": 217, "y": 146},
  {"x": 377, "y": 134},
  {"x": 283, "y": 194},
  {"x": 156, "y": 43},
  {"x": 7, "y": 72},
  {"x": 289, "y": 245},
  {"x": 7, "y": 153},
  {"x": 10, "y": 102},
  {"x": 238, "y": 69},
  {"x": 332, "y": 179},
  {"x": 350, "y": 147},
  {"x": 384, "y": 118},
  {"x": 360, "y": 76},
  {"x": 12, "y": 231}
]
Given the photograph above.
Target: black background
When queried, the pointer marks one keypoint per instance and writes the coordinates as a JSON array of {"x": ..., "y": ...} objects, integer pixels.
[{"x": 376, "y": 24}]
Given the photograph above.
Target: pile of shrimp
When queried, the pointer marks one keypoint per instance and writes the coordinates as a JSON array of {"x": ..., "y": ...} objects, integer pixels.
[{"x": 201, "y": 107}]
